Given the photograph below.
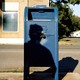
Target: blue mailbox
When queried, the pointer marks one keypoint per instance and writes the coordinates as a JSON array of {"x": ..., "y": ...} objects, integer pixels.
[{"x": 42, "y": 22}]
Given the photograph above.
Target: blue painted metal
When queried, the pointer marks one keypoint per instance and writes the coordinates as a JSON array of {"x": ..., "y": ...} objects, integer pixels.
[{"x": 48, "y": 19}]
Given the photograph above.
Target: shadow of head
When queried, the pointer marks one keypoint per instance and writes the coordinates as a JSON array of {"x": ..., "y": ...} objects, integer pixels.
[
  {"x": 67, "y": 64},
  {"x": 36, "y": 32}
]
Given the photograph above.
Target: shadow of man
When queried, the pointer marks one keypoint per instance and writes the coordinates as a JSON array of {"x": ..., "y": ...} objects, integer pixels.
[
  {"x": 66, "y": 65},
  {"x": 36, "y": 54}
]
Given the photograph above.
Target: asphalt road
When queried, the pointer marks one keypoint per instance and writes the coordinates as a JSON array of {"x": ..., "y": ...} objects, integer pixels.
[
  {"x": 69, "y": 55},
  {"x": 69, "y": 51},
  {"x": 12, "y": 56}
]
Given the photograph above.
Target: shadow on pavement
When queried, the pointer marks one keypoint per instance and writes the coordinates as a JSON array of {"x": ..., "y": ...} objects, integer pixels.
[
  {"x": 66, "y": 65},
  {"x": 41, "y": 76}
]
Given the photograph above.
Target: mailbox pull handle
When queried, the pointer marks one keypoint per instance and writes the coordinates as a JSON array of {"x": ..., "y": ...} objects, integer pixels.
[{"x": 41, "y": 11}]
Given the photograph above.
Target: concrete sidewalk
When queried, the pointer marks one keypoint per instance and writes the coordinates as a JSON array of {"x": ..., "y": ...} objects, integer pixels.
[
  {"x": 19, "y": 76},
  {"x": 71, "y": 76}
]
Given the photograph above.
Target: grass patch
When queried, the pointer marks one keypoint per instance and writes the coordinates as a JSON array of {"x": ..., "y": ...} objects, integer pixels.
[{"x": 18, "y": 70}]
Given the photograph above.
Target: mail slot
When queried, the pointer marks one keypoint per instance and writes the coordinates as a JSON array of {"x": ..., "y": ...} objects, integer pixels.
[{"x": 41, "y": 38}]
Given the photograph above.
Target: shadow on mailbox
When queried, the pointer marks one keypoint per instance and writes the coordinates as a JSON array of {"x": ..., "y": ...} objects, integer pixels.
[{"x": 40, "y": 48}]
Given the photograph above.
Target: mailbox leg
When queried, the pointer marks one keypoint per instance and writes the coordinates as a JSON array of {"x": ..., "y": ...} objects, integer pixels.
[{"x": 26, "y": 73}]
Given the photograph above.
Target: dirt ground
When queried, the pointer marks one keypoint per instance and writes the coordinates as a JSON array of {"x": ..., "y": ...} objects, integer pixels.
[{"x": 11, "y": 76}]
